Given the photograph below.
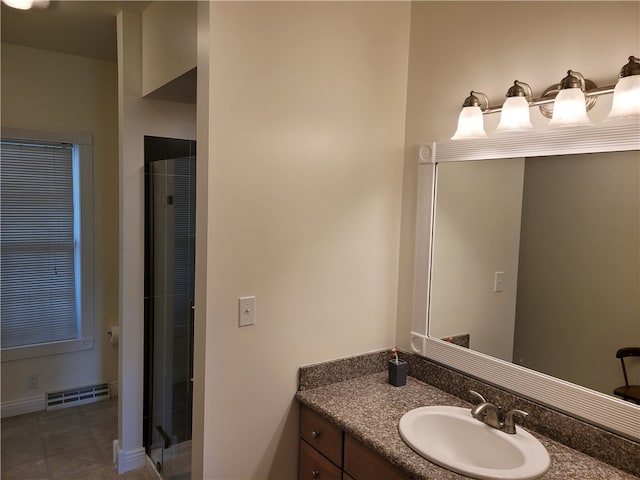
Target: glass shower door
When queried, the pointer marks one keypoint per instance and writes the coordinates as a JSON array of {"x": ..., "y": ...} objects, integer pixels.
[{"x": 170, "y": 273}]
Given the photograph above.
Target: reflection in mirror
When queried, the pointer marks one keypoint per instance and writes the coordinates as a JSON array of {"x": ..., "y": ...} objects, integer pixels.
[{"x": 538, "y": 261}]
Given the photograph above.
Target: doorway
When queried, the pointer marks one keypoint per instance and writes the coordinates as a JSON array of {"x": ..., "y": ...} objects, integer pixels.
[{"x": 170, "y": 183}]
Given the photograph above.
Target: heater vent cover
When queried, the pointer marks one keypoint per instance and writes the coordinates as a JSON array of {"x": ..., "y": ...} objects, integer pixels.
[{"x": 77, "y": 396}]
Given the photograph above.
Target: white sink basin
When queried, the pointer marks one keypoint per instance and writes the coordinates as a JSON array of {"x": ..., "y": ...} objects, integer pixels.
[{"x": 453, "y": 439}]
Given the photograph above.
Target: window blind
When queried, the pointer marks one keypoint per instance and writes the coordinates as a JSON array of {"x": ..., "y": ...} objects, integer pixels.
[{"x": 38, "y": 243}]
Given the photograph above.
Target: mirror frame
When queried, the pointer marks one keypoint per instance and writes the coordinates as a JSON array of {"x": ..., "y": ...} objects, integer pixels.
[{"x": 589, "y": 405}]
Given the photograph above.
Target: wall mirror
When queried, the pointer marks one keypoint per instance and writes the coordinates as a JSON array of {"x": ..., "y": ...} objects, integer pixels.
[{"x": 529, "y": 248}]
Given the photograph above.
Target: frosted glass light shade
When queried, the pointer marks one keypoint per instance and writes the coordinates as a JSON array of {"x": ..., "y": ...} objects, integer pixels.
[
  {"x": 626, "y": 98},
  {"x": 569, "y": 109},
  {"x": 514, "y": 115},
  {"x": 470, "y": 124},
  {"x": 20, "y": 4}
]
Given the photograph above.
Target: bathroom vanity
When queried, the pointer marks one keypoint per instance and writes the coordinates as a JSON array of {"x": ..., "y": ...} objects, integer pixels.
[
  {"x": 354, "y": 413},
  {"x": 327, "y": 452}
]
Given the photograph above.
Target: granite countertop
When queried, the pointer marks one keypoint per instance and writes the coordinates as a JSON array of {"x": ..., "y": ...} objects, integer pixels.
[{"x": 369, "y": 409}]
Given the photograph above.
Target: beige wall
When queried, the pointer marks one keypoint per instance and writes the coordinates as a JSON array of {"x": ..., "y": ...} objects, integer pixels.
[
  {"x": 168, "y": 41},
  {"x": 477, "y": 233},
  {"x": 460, "y": 46},
  {"x": 44, "y": 90},
  {"x": 305, "y": 163}
]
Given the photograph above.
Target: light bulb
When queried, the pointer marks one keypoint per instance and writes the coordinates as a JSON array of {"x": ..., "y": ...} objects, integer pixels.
[
  {"x": 569, "y": 109},
  {"x": 470, "y": 124},
  {"x": 19, "y": 4},
  {"x": 626, "y": 98},
  {"x": 514, "y": 115}
]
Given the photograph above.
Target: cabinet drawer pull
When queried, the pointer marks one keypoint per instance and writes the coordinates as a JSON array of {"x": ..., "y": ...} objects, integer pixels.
[
  {"x": 315, "y": 434},
  {"x": 315, "y": 473}
]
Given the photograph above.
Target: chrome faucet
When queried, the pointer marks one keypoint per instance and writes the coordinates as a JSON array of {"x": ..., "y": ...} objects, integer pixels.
[
  {"x": 488, "y": 413},
  {"x": 492, "y": 415}
]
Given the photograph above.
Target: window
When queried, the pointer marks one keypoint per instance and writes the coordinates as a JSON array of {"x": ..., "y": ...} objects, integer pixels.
[{"x": 46, "y": 276}]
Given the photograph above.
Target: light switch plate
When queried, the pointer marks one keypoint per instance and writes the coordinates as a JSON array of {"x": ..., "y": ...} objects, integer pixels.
[{"x": 246, "y": 311}]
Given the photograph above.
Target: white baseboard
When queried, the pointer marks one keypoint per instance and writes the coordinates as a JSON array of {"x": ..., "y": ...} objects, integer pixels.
[
  {"x": 146, "y": 460},
  {"x": 115, "y": 451},
  {"x": 130, "y": 459},
  {"x": 22, "y": 406}
]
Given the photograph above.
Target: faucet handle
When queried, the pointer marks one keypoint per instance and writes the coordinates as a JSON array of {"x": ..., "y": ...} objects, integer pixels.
[
  {"x": 509, "y": 425},
  {"x": 477, "y": 395}
]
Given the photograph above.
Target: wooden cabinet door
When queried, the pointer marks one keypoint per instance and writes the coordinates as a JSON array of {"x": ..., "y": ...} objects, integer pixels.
[
  {"x": 363, "y": 463},
  {"x": 321, "y": 434},
  {"x": 313, "y": 466}
]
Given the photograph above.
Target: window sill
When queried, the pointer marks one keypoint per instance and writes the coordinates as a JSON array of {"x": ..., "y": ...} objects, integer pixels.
[{"x": 46, "y": 349}]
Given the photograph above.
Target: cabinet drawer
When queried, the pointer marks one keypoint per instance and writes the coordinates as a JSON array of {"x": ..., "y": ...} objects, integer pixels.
[
  {"x": 363, "y": 463},
  {"x": 321, "y": 435},
  {"x": 312, "y": 465}
]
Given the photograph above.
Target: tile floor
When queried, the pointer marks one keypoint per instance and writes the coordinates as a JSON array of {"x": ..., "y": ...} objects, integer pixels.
[{"x": 68, "y": 444}]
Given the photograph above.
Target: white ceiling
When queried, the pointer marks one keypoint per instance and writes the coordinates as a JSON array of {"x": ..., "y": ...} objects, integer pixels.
[{"x": 86, "y": 28}]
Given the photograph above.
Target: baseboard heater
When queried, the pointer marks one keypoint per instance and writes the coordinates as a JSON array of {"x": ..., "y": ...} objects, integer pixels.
[{"x": 77, "y": 396}]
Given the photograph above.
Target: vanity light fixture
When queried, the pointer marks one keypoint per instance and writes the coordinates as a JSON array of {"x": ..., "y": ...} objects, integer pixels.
[
  {"x": 515, "y": 111},
  {"x": 470, "y": 121},
  {"x": 566, "y": 103}
]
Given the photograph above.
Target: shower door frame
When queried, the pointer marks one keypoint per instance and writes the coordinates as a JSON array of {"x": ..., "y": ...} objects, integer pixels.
[{"x": 164, "y": 149}]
